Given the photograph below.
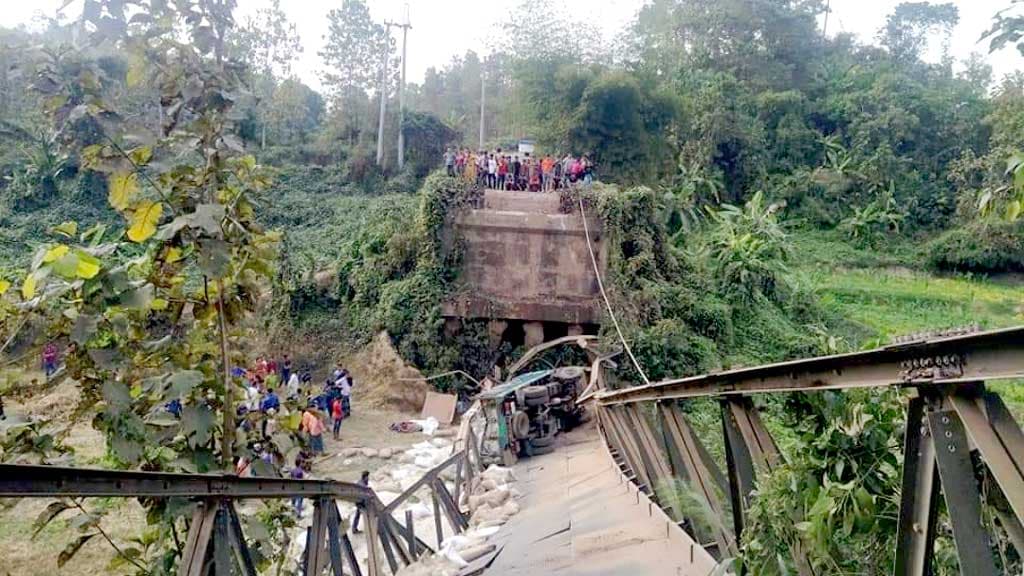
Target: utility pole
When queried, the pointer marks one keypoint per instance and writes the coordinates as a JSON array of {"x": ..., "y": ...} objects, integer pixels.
[
  {"x": 383, "y": 96},
  {"x": 483, "y": 104},
  {"x": 828, "y": 10},
  {"x": 401, "y": 92}
]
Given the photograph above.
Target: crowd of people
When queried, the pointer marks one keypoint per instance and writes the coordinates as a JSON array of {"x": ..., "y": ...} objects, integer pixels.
[
  {"x": 278, "y": 398},
  {"x": 500, "y": 170}
]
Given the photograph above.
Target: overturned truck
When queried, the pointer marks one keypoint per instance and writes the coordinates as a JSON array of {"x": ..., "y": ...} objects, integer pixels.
[{"x": 525, "y": 414}]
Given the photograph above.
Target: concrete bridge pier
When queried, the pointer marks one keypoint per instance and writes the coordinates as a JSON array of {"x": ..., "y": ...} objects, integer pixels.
[{"x": 526, "y": 268}]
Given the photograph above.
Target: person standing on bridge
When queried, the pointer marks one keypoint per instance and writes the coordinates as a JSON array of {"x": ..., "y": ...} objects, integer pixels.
[
  {"x": 516, "y": 166},
  {"x": 449, "y": 161},
  {"x": 547, "y": 167},
  {"x": 492, "y": 171},
  {"x": 364, "y": 479},
  {"x": 502, "y": 172},
  {"x": 470, "y": 172}
]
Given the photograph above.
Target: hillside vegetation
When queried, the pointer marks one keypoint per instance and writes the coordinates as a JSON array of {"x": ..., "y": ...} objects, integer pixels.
[{"x": 175, "y": 201}]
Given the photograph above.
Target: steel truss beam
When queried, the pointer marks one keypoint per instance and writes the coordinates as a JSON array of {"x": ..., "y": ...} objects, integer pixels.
[
  {"x": 18, "y": 481},
  {"x": 983, "y": 356}
]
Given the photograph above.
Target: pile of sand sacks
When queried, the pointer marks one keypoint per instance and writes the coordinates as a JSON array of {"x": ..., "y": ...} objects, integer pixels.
[{"x": 491, "y": 502}]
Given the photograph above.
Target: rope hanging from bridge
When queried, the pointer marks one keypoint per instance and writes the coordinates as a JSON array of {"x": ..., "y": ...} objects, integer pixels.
[{"x": 604, "y": 296}]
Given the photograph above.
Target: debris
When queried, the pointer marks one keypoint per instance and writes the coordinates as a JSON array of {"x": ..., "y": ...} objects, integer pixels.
[
  {"x": 405, "y": 427},
  {"x": 369, "y": 452},
  {"x": 386, "y": 453},
  {"x": 440, "y": 406},
  {"x": 470, "y": 554},
  {"x": 382, "y": 379}
]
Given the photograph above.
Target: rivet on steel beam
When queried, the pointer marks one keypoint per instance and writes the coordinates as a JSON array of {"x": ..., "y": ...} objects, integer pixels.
[{"x": 952, "y": 448}]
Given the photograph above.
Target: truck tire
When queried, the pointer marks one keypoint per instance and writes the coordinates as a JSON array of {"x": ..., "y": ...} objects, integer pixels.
[
  {"x": 567, "y": 373},
  {"x": 520, "y": 425},
  {"x": 536, "y": 395},
  {"x": 538, "y": 450},
  {"x": 542, "y": 441}
]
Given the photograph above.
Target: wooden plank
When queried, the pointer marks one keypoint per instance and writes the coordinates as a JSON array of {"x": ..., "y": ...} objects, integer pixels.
[
  {"x": 440, "y": 407},
  {"x": 425, "y": 480},
  {"x": 410, "y": 535},
  {"x": 655, "y": 456},
  {"x": 385, "y": 541},
  {"x": 193, "y": 561},
  {"x": 222, "y": 543},
  {"x": 334, "y": 539},
  {"x": 350, "y": 555},
  {"x": 437, "y": 517},
  {"x": 455, "y": 518},
  {"x": 372, "y": 537}
]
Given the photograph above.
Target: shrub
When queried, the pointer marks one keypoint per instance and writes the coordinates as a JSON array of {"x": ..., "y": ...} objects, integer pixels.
[{"x": 980, "y": 246}]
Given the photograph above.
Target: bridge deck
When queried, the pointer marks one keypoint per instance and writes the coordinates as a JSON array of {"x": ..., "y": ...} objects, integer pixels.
[{"x": 578, "y": 518}]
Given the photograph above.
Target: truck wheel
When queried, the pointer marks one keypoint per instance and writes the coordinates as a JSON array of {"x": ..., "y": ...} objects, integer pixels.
[
  {"x": 521, "y": 425},
  {"x": 535, "y": 395},
  {"x": 542, "y": 441},
  {"x": 538, "y": 450},
  {"x": 567, "y": 373}
]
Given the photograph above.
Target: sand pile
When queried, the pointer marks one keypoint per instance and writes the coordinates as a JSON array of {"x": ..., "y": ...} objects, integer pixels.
[{"x": 384, "y": 380}]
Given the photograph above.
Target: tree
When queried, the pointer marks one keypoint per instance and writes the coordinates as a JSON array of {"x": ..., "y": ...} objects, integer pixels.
[
  {"x": 621, "y": 127},
  {"x": 152, "y": 306},
  {"x": 355, "y": 51},
  {"x": 269, "y": 44},
  {"x": 908, "y": 28},
  {"x": 1007, "y": 28},
  {"x": 427, "y": 137},
  {"x": 295, "y": 111}
]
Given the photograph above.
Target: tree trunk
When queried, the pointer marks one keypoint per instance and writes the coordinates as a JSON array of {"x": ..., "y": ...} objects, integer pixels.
[{"x": 228, "y": 439}]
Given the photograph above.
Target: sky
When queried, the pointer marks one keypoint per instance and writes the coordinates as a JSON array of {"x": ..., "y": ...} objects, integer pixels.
[{"x": 442, "y": 29}]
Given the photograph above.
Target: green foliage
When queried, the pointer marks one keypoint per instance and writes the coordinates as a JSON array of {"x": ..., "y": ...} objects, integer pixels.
[
  {"x": 748, "y": 249},
  {"x": 841, "y": 482},
  {"x": 983, "y": 246},
  {"x": 874, "y": 221},
  {"x": 394, "y": 270},
  {"x": 621, "y": 127},
  {"x": 426, "y": 139}
]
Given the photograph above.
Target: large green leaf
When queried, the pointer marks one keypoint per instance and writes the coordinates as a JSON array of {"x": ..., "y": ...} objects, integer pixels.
[
  {"x": 88, "y": 265},
  {"x": 83, "y": 329},
  {"x": 139, "y": 298},
  {"x": 126, "y": 449},
  {"x": 214, "y": 257},
  {"x": 183, "y": 382},
  {"x": 197, "y": 424},
  {"x": 116, "y": 395}
]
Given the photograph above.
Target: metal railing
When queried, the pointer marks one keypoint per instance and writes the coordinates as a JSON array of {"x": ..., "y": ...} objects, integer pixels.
[
  {"x": 950, "y": 414},
  {"x": 216, "y": 545}
]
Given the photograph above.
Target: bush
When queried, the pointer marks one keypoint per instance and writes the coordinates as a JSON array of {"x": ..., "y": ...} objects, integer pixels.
[{"x": 980, "y": 246}]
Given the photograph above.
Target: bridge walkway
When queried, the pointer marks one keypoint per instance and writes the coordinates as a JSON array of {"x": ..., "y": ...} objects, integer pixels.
[{"x": 579, "y": 517}]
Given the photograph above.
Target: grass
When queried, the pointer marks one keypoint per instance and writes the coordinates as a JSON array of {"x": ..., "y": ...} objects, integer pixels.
[
  {"x": 881, "y": 295},
  {"x": 881, "y": 292}
]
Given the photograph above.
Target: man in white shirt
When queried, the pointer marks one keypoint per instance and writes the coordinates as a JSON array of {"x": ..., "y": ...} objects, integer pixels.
[{"x": 344, "y": 384}]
